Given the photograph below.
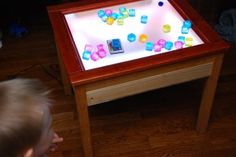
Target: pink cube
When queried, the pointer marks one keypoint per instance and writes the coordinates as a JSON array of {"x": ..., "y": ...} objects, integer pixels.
[
  {"x": 157, "y": 47},
  {"x": 108, "y": 12},
  {"x": 94, "y": 56},
  {"x": 100, "y": 47},
  {"x": 101, "y": 53},
  {"x": 161, "y": 42}
]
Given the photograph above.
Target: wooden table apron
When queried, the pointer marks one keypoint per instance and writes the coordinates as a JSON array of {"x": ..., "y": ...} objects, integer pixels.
[{"x": 116, "y": 81}]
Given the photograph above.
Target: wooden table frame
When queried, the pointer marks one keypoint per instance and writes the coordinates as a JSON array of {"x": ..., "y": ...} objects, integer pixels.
[{"x": 137, "y": 76}]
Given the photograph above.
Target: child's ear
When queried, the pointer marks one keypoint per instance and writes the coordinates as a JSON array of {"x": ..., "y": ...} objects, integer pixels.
[{"x": 28, "y": 153}]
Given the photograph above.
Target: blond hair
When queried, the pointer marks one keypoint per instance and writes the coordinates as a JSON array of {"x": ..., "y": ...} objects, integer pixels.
[{"x": 22, "y": 105}]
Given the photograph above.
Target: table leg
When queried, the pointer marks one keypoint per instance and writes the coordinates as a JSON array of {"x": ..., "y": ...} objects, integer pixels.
[
  {"x": 82, "y": 108},
  {"x": 208, "y": 95}
]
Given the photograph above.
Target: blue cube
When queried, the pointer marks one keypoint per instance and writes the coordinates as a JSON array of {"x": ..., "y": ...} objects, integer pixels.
[
  {"x": 144, "y": 19},
  {"x": 131, "y": 37},
  {"x": 169, "y": 45},
  {"x": 104, "y": 18},
  {"x": 114, "y": 16},
  {"x": 181, "y": 38},
  {"x": 122, "y": 9},
  {"x": 184, "y": 30},
  {"x": 120, "y": 16},
  {"x": 132, "y": 12},
  {"x": 149, "y": 46},
  {"x": 101, "y": 13},
  {"x": 187, "y": 24},
  {"x": 86, "y": 55}
]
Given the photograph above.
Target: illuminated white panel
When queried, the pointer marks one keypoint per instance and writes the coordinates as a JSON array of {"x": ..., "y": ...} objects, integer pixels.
[{"x": 87, "y": 28}]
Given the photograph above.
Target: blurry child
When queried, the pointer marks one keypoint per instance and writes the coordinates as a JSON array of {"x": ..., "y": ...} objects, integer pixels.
[{"x": 25, "y": 119}]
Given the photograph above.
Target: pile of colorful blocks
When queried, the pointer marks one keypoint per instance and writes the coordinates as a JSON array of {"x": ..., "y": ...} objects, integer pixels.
[
  {"x": 110, "y": 17},
  {"x": 94, "y": 55}
]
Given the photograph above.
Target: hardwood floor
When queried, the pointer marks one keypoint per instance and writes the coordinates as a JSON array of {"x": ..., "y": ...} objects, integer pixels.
[{"x": 160, "y": 123}]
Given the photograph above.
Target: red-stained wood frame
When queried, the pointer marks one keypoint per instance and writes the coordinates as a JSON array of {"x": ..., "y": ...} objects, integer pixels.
[
  {"x": 75, "y": 76},
  {"x": 75, "y": 69}
]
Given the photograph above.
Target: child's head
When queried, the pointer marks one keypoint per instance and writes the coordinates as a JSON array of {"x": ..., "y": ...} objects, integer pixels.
[{"x": 25, "y": 119}]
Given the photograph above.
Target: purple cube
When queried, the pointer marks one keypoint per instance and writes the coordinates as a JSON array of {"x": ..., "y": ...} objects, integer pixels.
[{"x": 178, "y": 44}]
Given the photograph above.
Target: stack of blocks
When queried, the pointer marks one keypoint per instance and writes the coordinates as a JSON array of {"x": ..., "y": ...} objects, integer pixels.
[
  {"x": 88, "y": 52},
  {"x": 159, "y": 45},
  {"x": 109, "y": 16},
  {"x": 186, "y": 26}
]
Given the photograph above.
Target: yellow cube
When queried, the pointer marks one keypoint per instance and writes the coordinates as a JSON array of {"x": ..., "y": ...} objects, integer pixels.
[
  {"x": 110, "y": 20},
  {"x": 188, "y": 41},
  {"x": 166, "y": 28},
  {"x": 143, "y": 38},
  {"x": 120, "y": 21}
]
